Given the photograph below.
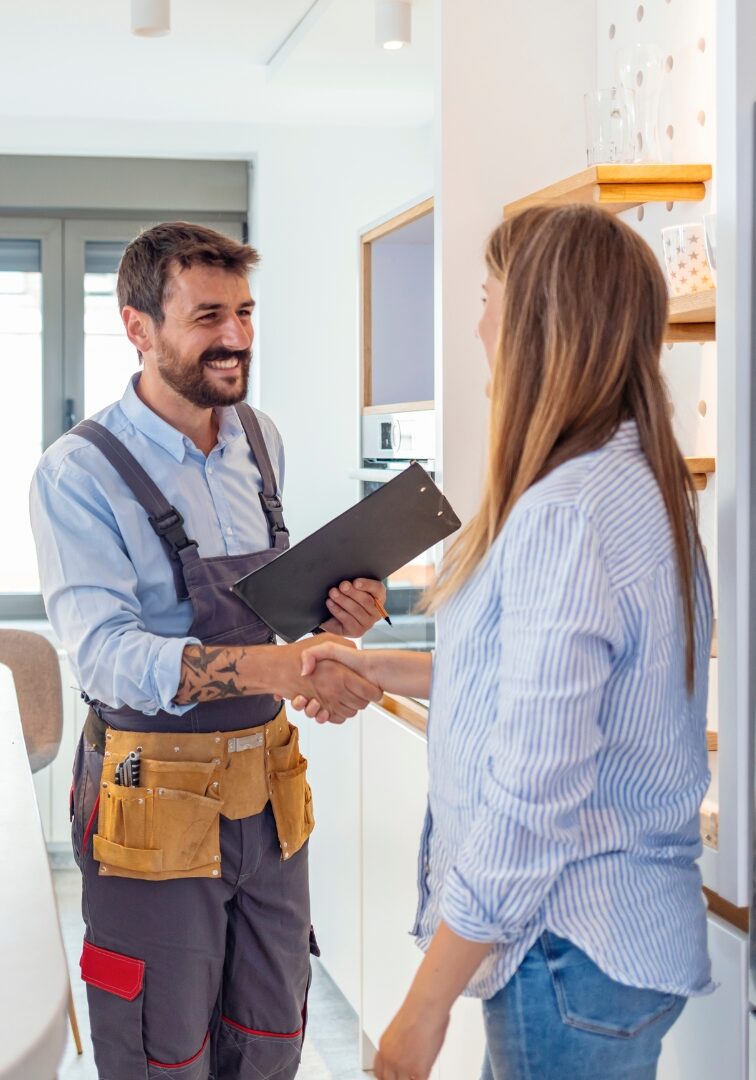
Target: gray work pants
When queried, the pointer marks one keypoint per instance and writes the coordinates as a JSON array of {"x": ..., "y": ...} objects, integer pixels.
[{"x": 199, "y": 978}]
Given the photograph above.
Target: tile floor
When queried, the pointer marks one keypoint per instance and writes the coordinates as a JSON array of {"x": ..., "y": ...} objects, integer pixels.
[{"x": 331, "y": 1048}]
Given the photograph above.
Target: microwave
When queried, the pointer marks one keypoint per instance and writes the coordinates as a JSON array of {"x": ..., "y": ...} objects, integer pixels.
[{"x": 390, "y": 443}]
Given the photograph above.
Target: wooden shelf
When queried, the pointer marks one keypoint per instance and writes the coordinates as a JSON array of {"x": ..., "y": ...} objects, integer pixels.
[
  {"x": 693, "y": 317},
  {"x": 621, "y": 187},
  {"x": 700, "y": 468},
  {"x": 403, "y": 406},
  {"x": 737, "y": 916},
  {"x": 712, "y": 741}
]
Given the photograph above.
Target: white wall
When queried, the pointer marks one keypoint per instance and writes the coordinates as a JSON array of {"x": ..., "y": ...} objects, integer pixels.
[
  {"x": 316, "y": 189},
  {"x": 509, "y": 119}
]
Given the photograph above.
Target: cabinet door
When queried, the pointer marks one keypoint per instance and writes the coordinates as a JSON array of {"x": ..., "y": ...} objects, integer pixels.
[
  {"x": 333, "y": 754},
  {"x": 709, "y": 1039},
  {"x": 394, "y": 793},
  {"x": 465, "y": 1044}
]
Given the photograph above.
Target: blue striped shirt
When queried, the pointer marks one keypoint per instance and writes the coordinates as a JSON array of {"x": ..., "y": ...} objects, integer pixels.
[{"x": 567, "y": 762}]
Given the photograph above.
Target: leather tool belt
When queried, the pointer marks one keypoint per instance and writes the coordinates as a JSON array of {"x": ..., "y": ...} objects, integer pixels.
[{"x": 168, "y": 825}]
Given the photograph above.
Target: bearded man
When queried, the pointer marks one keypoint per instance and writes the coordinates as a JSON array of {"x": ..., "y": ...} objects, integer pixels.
[{"x": 190, "y": 805}]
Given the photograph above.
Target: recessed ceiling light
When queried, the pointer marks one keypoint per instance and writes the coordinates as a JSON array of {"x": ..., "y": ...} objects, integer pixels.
[
  {"x": 150, "y": 18},
  {"x": 393, "y": 23}
]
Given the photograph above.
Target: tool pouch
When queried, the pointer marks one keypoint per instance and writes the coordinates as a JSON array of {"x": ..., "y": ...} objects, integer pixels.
[
  {"x": 290, "y": 794},
  {"x": 168, "y": 827}
]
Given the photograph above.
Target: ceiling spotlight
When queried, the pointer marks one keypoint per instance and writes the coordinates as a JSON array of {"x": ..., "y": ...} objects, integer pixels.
[
  {"x": 150, "y": 18},
  {"x": 393, "y": 23}
]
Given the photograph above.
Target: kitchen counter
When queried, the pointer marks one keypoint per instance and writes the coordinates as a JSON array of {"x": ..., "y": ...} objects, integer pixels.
[{"x": 413, "y": 711}]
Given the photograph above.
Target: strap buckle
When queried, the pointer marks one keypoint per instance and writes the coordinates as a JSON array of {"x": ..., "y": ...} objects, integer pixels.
[
  {"x": 273, "y": 510},
  {"x": 170, "y": 527}
]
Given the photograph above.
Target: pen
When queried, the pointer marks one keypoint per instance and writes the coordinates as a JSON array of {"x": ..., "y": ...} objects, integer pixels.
[{"x": 383, "y": 611}]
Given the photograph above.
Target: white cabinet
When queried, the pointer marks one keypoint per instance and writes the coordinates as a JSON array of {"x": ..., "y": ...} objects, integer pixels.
[
  {"x": 394, "y": 793},
  {"x": 333, "y": 754},
  {"x": 710, "y": 1038}
]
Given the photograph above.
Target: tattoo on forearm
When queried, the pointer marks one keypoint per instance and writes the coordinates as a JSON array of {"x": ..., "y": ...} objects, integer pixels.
[{"x": 201, "y": 668}]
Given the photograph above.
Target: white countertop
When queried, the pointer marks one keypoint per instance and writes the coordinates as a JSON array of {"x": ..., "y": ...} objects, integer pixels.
[{"x": 34, "y": 987}]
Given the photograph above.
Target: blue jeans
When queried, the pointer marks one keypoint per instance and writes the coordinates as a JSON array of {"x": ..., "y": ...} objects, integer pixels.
[{"x": 561, "y": 1018}]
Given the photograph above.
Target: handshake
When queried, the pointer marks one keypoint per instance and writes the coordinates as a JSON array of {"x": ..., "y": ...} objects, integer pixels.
[{"x": 328, "y": 678}]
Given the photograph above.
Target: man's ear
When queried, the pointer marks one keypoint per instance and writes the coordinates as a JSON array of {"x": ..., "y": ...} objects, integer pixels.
[{"x": 140, "y": 329}]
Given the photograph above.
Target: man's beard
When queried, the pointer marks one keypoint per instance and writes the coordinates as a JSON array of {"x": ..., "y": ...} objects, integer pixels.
[{"x": 189, "y": 378}]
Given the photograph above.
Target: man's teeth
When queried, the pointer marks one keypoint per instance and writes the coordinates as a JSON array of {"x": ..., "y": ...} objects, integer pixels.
[{"x": 222, "y": 363}]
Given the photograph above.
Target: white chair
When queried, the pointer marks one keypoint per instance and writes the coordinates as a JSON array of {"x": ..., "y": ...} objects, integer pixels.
[{"x": 35, "y": 667}]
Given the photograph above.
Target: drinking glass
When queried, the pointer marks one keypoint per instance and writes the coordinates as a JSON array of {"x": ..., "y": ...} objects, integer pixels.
[
  {"x": 688, "y": 269},
  {"x": 609, "y": 125},
  {"x": 640, "y": 70}
]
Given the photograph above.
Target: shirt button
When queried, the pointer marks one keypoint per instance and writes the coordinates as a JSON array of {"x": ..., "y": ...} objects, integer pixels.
[
  {"x": 229, "y": 530},
  {"x": 209, "y": 470}
]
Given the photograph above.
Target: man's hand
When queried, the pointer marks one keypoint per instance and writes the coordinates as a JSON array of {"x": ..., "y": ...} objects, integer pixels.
[
  {"x": 338, "y": 690},
  {"x": 352, "y": 607},
  {"x": 326, "y": 652}
]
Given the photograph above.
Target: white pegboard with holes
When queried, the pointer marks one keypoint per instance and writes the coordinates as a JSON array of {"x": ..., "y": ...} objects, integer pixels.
[{"x": 684, "y": 31}]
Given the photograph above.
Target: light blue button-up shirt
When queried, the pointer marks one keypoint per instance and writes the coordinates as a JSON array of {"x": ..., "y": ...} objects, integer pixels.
[
  {"x": 106, "y": 579},
  {"x": 567, "y": 761}
]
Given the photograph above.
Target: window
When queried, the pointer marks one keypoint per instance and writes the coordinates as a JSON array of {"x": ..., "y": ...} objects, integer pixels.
[{"x": 63, "y": 356}]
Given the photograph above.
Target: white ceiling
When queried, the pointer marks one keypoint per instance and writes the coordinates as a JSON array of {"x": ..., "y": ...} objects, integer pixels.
[{"x": 78, "y": 59}]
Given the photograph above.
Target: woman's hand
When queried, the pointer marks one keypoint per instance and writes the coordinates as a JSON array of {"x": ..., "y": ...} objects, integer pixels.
[
  {"x": 343, "y": 653},
  {"x": 410, "y": 1044},
  {"x": 341, "y": 689},
  {"x": 413, "y": 1039},
  {"x": 352, "y": 607}
]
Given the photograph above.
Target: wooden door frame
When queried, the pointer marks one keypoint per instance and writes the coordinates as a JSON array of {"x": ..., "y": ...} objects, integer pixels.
[{"x": 366, "y": 276}]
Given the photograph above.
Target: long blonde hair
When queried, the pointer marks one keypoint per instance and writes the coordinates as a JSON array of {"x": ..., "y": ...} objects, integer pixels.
[{"x": 584, "y": 312}]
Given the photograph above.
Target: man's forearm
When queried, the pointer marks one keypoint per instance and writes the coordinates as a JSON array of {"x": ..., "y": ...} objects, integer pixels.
[{"x": 212, "y": 672}]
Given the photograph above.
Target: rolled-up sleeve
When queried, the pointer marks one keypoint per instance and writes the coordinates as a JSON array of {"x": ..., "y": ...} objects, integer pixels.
[
  {"x": 559, "y": 627},
  {"x": 90, "y": 590}
]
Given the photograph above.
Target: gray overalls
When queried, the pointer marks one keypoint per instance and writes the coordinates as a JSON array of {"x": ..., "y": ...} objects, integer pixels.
[{"x": 196, "y": 978}]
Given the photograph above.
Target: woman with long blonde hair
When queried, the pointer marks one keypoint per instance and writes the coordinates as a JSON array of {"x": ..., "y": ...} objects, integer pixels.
[{"x": 567, "y": 751}]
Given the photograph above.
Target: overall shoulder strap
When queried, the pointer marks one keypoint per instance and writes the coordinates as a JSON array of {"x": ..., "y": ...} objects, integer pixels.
[
  {"x": 164, "y": 518},
  {"x": 271, "y": 504}
]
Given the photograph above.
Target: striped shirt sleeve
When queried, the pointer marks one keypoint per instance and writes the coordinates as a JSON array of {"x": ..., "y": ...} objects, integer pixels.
[{"x": 559, "y": 625}]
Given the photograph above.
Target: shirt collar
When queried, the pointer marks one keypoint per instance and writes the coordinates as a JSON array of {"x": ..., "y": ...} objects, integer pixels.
[{"x": 167, "y": 436}]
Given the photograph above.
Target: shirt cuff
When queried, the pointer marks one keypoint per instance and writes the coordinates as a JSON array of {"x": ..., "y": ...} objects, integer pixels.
[
  {"x": 166, "y": 675},
  {"x": 463, "y": 913}
]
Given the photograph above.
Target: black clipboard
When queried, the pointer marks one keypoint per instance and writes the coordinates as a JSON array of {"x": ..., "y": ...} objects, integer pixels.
[{"x": 372, "y": 539}]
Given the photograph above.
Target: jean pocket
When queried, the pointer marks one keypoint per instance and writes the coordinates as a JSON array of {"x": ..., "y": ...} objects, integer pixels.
[{"x": 591, "y": 1001}]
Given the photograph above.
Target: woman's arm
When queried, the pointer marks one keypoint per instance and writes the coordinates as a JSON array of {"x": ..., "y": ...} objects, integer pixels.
[
  {"x": 411, "y": 1043},
  {"x": 393, "y": 670}
]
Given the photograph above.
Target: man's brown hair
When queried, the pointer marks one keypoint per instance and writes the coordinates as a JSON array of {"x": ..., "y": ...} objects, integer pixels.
[{"x": 149, "y": 260}]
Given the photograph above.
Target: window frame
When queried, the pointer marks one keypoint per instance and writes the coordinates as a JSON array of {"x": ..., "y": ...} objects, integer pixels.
[
  {"x": 63, "y": 239},
  {"x": 49, "y": 233}
]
